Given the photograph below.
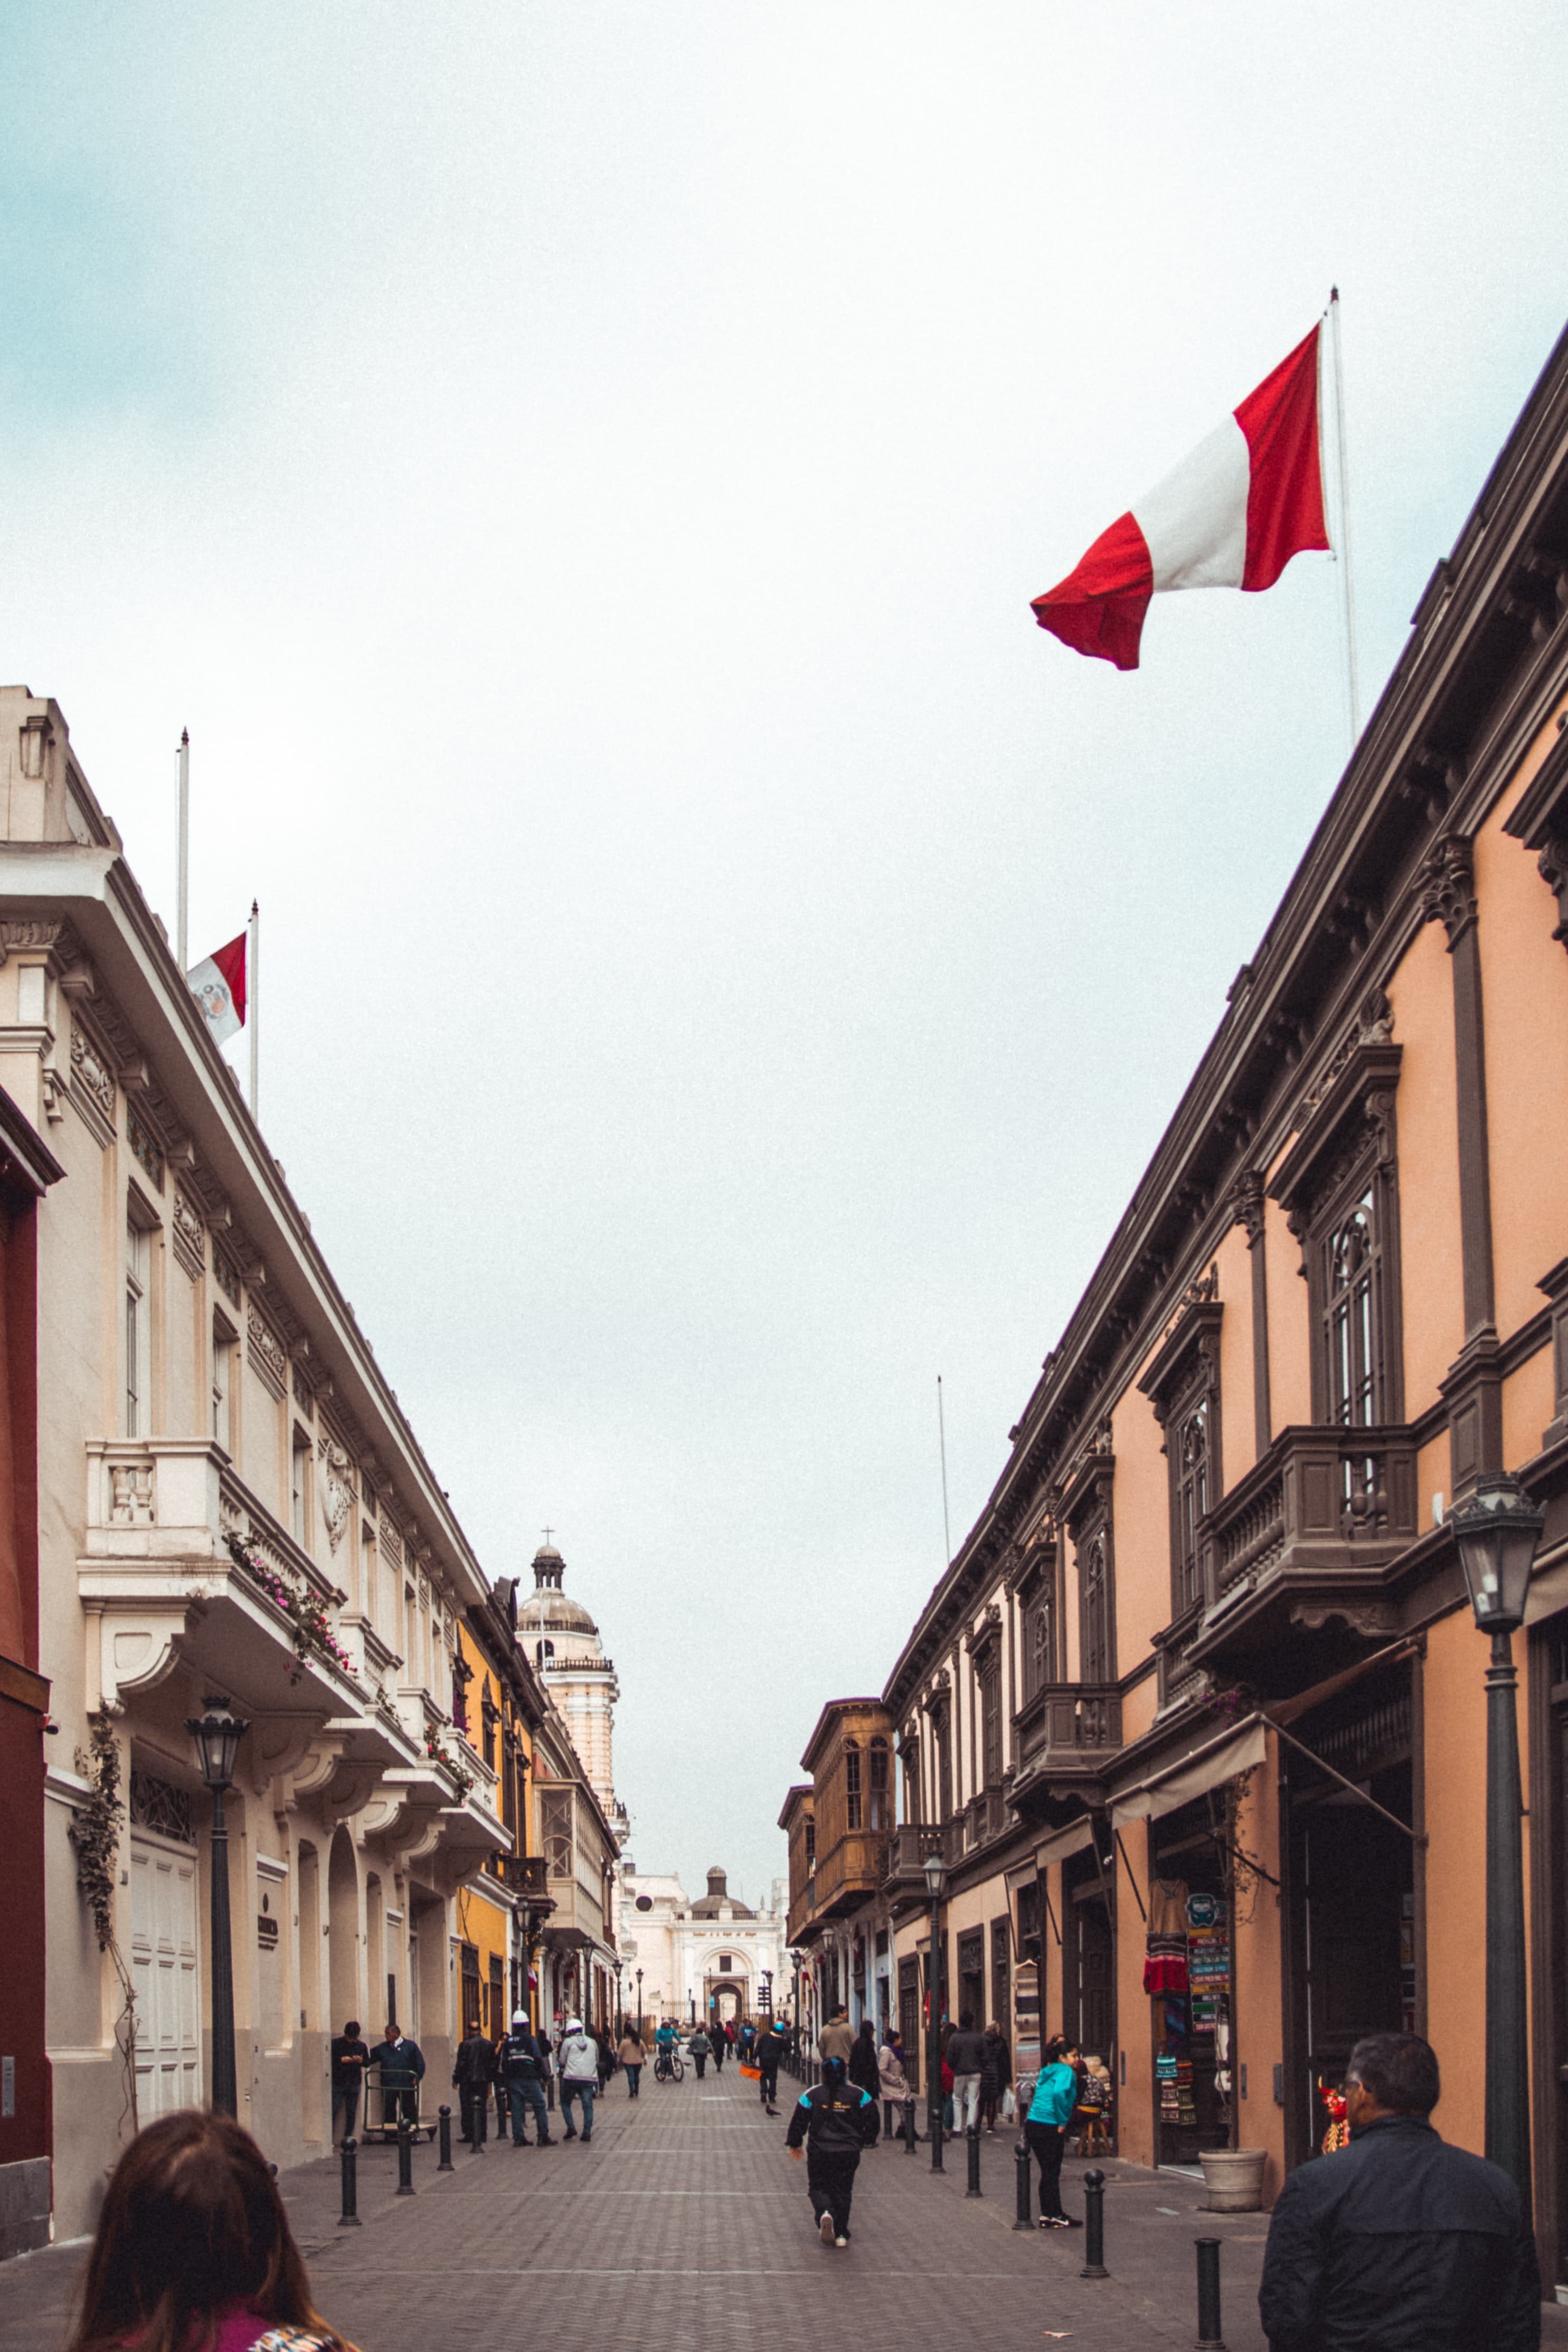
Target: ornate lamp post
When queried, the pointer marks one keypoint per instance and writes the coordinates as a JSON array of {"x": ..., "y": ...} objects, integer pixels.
[
  {"x": 1497, "y": 1530},
  {"x": 620, "y": 2013},
  {"x": 217, "y": 1734},
  {"x": 639, "y": 2004},
  {"x": 936, "y": 1876}
]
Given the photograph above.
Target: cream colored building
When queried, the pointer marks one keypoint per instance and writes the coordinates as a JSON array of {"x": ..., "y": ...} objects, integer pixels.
[
  {"x": 230, "y": 1501},
  {"x": 568, "y": 1657},
  {"x": 713, "y": 1957}
]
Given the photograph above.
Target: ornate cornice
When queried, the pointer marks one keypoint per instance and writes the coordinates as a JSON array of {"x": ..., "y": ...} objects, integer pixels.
[{"x": 1447, "y": 885}]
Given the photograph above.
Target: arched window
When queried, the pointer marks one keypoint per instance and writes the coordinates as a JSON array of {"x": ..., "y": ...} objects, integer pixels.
[
  {"x": 852, "y": 1791},
  {"x": 543, "y": 1650},
  {"x": 881, "y": 1815}
]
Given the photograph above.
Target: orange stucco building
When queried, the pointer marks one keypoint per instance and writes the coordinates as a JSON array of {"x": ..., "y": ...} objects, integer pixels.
[{"x": 1197, "y": 1716}]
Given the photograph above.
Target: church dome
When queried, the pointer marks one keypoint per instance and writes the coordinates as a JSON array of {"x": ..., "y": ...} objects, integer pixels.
[{"x": 549, "y": 1614}]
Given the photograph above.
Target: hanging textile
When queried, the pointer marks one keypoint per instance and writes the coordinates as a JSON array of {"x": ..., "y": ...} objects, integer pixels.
[{"x": 1165, "y": 1964}]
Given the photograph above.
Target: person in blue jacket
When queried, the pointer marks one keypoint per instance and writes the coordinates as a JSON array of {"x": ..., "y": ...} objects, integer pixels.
[{"x": 1046, "y": 2128}]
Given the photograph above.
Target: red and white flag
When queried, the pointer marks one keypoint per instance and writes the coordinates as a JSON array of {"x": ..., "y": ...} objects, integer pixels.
[
  {"x": 217, "y": 983},
  {"x": 1231, "y": 516}
]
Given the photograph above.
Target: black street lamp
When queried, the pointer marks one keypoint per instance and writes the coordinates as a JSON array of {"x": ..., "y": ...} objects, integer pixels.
[
  {"x": 217, "y": 1734},
  {"x": 1496, "y": 1529},
  {"x": 620, "y": 2012},
  {"x": 935, "y": 1877},
  {"x": 639, "y": 2004}
]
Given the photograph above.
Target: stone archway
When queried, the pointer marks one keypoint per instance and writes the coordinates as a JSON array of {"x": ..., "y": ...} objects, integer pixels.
[{"x": 347, "y": 1993}]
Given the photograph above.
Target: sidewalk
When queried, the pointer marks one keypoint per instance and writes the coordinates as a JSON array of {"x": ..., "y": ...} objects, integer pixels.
[{"x": 683, "y": 2227}]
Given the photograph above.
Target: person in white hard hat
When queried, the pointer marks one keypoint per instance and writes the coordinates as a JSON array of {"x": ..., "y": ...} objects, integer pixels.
[
  {"x": 520, "y": 2070},
  {"x": 578, "y": 2063}
]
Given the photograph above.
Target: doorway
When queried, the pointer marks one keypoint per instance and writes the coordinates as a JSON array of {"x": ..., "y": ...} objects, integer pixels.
[{"x": 1088, "y": 1958}]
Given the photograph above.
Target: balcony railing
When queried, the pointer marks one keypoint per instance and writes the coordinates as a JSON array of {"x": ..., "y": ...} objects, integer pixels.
[
  {"x": 1322, "y": 1503},
  {"x": 523, "y": 1873},
  {"x": 907, "y": 1850},
  {"x": 1070, "y": 1727}
]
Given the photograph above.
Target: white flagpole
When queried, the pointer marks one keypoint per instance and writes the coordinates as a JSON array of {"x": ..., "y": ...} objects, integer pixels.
[
  {"x": 253, "y": 1001},
  {"x": 184, "y": 891},
  {"x": 1342, "y": 467},
  {"x": 941, "y": 1440}
]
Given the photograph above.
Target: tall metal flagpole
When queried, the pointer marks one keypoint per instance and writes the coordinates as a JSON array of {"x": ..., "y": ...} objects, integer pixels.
[
  {"x": 1342, "y": 467},
  {"x": 253, "y": 1001},
  {"x": 184, "y": 891},
  {"x": 941, "y": 1441}
]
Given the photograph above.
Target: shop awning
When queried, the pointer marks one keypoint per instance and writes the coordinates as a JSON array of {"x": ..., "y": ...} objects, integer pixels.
[
  {"x": 1072, "y": 1839},
  {"x": 1194, "y": 1775}
]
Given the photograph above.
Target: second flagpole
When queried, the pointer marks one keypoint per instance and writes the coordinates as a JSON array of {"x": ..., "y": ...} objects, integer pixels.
[
  {"x": 253, "y": 1002},
  {"x": 1341, "y": 468}
]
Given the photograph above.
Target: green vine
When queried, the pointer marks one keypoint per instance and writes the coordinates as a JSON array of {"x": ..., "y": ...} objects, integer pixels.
[{"x": 99, "y": 1820}]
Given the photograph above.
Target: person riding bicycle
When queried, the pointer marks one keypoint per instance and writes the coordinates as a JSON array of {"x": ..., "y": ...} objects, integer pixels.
[{"x": 664, "y": 2044}]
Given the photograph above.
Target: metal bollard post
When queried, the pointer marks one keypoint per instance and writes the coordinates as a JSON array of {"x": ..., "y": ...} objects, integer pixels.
[
  {"x": 445, "y": 2122},
  {"x": 909, "y": 2131},
  {"x": 935, "y": 2124},
  {"x": 404, "y": 2157},
  {"x": 1209, "y": 2338},
  {"x": 1094, "y": 2226},
  {"x": 1021, "y": 2169},
  {"x": 349, "y": 2218},
  {"x": 973, "y": 2188}
]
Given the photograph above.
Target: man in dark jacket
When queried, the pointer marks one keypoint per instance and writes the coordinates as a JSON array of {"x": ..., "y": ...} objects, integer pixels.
[
  {"x": 519, "y": 2066},
  {"x": 350, "y": 2056},
  {"x": 1399, "y": 2243},
  {"x": 835, "y": 2120},
  {"x": 771, "y": 2045},
  {"x": 402, "y": 2065},
  {"x": 965, "y": 2054},
  {"x": 472, "y": 2074}
]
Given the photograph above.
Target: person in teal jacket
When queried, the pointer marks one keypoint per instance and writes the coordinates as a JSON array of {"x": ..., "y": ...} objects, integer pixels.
[{"x": 1045, "y": 2127}]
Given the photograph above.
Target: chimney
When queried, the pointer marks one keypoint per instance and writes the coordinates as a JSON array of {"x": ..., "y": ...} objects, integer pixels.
[{"x": 718, "y": 1887}]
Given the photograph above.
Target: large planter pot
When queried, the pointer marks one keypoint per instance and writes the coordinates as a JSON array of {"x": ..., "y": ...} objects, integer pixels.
[{"x": 1232, "y": 2178}]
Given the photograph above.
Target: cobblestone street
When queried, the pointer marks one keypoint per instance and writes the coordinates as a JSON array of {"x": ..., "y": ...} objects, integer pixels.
[{"x": 684, "y": 2223}]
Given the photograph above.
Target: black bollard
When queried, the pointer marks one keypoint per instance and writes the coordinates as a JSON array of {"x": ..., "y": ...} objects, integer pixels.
[
  {"x": 1020, "y": 2168},
  {"x": 1094, "y": 2226},
  {"x": 349, "y": 2218},
  {"x": 909, "y": 2131},
  {"x": 934, "y": 2126},
  {"x": 445, "y": 2125},
  {"x": 404, "y": 2157},
  {"x": 1209, "y": 2338},
  {"x": 973, "y": 2188}
]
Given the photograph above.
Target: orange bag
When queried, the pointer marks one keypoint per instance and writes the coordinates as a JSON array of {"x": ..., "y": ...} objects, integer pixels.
[{"x": 752, "y": 2074}]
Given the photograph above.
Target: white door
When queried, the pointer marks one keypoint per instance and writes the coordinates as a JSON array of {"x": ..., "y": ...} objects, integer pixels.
[{"x": 164, "y": 1970}]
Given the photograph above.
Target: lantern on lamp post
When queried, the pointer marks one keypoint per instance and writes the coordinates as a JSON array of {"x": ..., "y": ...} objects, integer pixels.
[
  {"x": 1497, "y": 1530},
  {"x": 935, "y": 1877},
  {"x": 217, "y": 1734}
]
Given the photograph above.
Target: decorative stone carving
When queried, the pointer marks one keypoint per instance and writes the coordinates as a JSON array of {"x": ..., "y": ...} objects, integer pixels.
[
  {"x": 266, "y": 1353},
  {"x": 1247, "y": 1204},
  {"x": 188, "y": 1233},
  {"x": 227, "y": 1277},
  {"x": 131, "y": 1502},
  {"x": 1447, "y": 888},
  {"x": 337, "y": 1499},
  {"x": 92, "y": 1081}
]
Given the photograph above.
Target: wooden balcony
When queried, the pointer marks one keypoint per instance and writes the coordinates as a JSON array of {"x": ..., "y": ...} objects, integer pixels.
[
  {"x": 1308, "y": 1534},
  {"x": 904, "y": 1879},
  {"x": 1068, "y": 1736}
]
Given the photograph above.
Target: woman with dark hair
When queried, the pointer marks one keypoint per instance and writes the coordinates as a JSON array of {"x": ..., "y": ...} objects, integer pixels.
[
  {"x": 864, "y": 2071},
  {"x": 1044, "y": 2128},
  {"x": 194, "y": 2252}
]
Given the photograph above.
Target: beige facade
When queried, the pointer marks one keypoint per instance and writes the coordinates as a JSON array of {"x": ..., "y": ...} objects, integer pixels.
[{"x": 230, "y": 1501}]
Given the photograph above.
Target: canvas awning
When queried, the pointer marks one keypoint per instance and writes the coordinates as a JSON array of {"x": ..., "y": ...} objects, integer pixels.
[{"x": 1193, "y": 1776}]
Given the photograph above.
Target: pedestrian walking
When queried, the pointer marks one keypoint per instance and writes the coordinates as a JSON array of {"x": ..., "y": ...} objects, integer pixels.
[
  {"x": 768, "y": 2049},
  {"x": 632, "y": 2056},
  {"x": 350, "y": 2056},
  {"x": 577, "y": 2057},
  {"x": 894, "y": 2082},
  {"x": 1046, "y": 2125},
  {"x": 965, "y": 2055},
  {"x": 699, "y": 2048},
  {"x": 520, "y": 2067},
  {"x": 720, "y": 2045},
  {"x": 606, "y": 2058},
  {"x": 834, "y": 2120},
  {"x": 864, "y": 2071},
  {"x": 748, "y": 2038},
  {"x": 996, "y": 2075},
  {"x": 193, "y": 2247},
  {"x": 473, "y": 2072},
  {"x": 402, "y": 2065},
  {"x": 836, "y": 2038},
  {"x": 1399, "y": 2239}
]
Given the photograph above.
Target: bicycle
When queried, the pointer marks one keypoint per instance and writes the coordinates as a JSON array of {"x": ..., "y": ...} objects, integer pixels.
[{"x": 667, "y": 2066}]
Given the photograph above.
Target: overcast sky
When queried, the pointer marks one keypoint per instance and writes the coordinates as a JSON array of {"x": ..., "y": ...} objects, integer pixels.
[{"x": 579, "y": 471}]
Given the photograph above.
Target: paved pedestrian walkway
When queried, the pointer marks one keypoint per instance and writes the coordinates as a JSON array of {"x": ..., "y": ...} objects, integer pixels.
[{"x": 684, "y": 2227}]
